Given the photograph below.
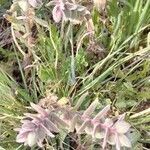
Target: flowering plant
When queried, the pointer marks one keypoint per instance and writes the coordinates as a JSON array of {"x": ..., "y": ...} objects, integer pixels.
[
  {"x": 68, "y": 11},
  {"x": 36, "y": 127}
]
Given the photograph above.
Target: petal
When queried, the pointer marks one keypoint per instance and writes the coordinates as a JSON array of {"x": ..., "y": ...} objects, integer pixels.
[
  {"x": 105, "y": 138},
  {"x": 94, "y": 130},
  {"x": 73, "y": 123},
  {"x": 21, "y": 137},
  {"x": 39, "y": 109},
  {"x": 17, "y": 129},
  {"x": 51, "y": 3},
  {"x": 100, "y": 133},
  {"x": 122, "y": 126},
  {"x": 28, "y": 126},
  {"x": 51, "y": 126},
  {"x": 102, "y": 113},
  {"x": 111, "y": 139},
  {"x": 36, "y": 119},
  {"x": 121, "y": 117},
  {"x": 57, "y": 14},
  {"x": 108, "y": 122},
  {"x": 67, "y": 116},
  {"x": 29, "y": 115},
  {"x": 91, "y": 108},
  {"x": 124, "y": 141},
  {"x": 71, "y": 6},
  {"x": 33, "y": 3},
  {"x": 47, "y": 131},
  {"x": 31, "y": 139},
  {"x": 41, "y": 136},
  {"x": 20, "y": 140},
  {"x": 25, "y": 121},
  {"x": 59, "y": 121},
  {"x": 81, "y": 8},
  {"x": 78, "y": 125},
  {"x": 89, "y": 129},
  {"x": 117, "y": 142},
  {"x": 40, "y": 143},
  {"x": 83, "y": 126}
]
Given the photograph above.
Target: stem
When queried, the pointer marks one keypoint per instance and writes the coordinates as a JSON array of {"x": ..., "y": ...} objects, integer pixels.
[{"x": 15, "y": 41}]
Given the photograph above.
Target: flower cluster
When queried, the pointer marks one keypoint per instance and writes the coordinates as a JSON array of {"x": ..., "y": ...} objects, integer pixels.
[
  {"x": 58, "y": 10},
  {"x": 36, "y": 127},
  {"x": 112, "y": 131},
  {"x": 65, "y": 10}
]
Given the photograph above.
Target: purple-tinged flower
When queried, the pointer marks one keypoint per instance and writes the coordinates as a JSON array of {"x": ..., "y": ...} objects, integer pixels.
[
  {"x": 58, "y": 10},
  {"x": 36, "y": 127},
  {"x": 68, "y": 11},
  {"x": 119, "y": 130},
  {"x": 35, "y": 3},
  {"x": 104, "y": 128},
  {"x": 25, "y": 4}
]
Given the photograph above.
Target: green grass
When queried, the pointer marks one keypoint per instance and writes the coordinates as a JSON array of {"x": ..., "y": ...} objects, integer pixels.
[{"x": 120, "y": 78}]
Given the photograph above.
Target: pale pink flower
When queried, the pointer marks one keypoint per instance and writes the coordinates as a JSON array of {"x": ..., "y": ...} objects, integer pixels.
[
  {"x": 58, "y": 10},
  {"x": 35, "y": 3},
  {"x": 118, "y": 134},
  {"x": 68, "y": 11},
  {"x": 36, "y": 127},
  {"x": 104, "y": 128}
]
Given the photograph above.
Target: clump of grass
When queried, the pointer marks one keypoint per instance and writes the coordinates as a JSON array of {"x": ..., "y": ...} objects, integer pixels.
[{"x": 111, "y": 64}]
